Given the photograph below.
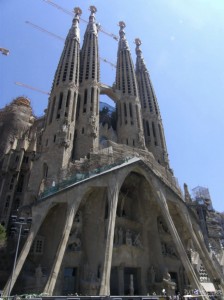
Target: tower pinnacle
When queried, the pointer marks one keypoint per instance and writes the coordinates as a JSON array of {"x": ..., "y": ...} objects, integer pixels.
[
  {"x": 77, "y": 11},
  {"x": 93, "y": 9},
  {"x": 152, "y": 122},
  {"x": 130, "y": 129}
]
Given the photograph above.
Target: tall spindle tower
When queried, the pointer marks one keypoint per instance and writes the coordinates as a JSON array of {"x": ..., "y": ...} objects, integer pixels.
[
  {"x": 58, "y": 134},
  {"x": 87, "y": 116},
  {"x": 129, "y": 123},
  {"x": 152, "y": 122}
]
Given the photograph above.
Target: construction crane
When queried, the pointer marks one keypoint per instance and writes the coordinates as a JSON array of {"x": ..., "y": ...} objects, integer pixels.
[
  {"x": 72, "y": 14},
  {"x": 45, "y": 31},
  {"x": 31, "y": 88},
  {"x": 4, "y": 51},
  {"x": 62, "y": 39}
]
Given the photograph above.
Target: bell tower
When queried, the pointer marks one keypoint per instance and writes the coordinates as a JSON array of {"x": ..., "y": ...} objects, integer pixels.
[
  {"x": 58, "y": 132},
  {"x": 129, "y": 124},
  {"x": 87, "y": 115},
  {"x": 152, "y": 121}
]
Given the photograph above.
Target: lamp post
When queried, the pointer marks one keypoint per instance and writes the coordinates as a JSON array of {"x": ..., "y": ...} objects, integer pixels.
[{"x": 18, "y": 221}]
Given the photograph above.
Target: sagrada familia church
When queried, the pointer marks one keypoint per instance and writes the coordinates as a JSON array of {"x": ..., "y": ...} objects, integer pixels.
[{"x": 94, "y": 190}]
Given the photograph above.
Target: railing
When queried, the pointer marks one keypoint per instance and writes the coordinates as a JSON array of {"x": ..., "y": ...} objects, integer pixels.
[
  {"x": 78, "y": 177},
  {"x": 120, "y": 154}
]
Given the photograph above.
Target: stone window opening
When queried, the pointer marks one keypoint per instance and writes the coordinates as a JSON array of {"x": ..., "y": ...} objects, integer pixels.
[
  {"x": 52, "y": 110},
  {"x": 37, "y": 247},
  {"x": 12, "y": 182},
  {"x": 7, "y": 201},
  {"x": 45, "y": 170},
  {"x": 20, "y": 183},
  {"x": 78, "y": 106}
]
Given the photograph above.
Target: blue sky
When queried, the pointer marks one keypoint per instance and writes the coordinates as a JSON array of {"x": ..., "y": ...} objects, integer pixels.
[{"x": 183, "y": 46}]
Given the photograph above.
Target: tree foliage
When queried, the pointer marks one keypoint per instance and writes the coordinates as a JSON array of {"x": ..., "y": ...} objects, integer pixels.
[{"x": 2, "y": 235}]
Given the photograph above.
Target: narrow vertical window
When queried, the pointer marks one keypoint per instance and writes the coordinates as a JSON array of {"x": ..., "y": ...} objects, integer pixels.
[
  {"x": 59, "y": 105},
  {"x": 45, "y": 170},
  {"x": 137, "y": 114},
  {"x": 147, "y": 128},
  {"x": 78, "y": 106},
  {"x": 73, "y": 106},
  {"x": 85, "y": 96},
  {"x": 130, "y": 108},
  {"x": 125, "y": 110},
  {"x": 60, "y": 101},
  {"x": 161, "y": 136},
  {"x": 20, "y": 183},
  {"x": 85, "y": 100},
  {"x": 154, "y": 133},
  {"x": 52, "y": 110},
  {"x": 68, "y": 98}
]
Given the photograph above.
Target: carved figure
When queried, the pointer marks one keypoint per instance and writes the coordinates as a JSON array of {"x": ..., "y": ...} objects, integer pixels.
[
  {"x": 128, "y": 238},
  {"x": 38, "y": 272},
  {"x": 166, "y": 276},
  {"x": 92, "y": 126},
  {"x": 131, "y": 286},
  {"x": 152, "y": 274},
  {"x": 137, "y": 241},
  {"x": 41, "y": 188}
]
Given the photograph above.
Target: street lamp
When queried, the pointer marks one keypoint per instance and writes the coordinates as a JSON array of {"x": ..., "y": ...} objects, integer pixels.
[{"x": 18, "y": 221}]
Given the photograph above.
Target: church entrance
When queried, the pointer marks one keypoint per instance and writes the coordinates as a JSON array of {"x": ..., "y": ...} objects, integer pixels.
[
  {"x": 125, "y": 281},
  {"x": 131, "y": 286},
  {"x": 70, "y": 281}
]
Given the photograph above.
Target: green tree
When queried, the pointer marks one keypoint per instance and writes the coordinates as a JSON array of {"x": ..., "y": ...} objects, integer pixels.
[{"x": 2, "y": 235}]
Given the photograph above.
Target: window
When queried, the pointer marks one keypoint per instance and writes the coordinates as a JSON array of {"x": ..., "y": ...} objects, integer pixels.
[
  {"x": 147, "y": 128},
  {"x": 20, "y": 183},
  {"x": 37, "y": 246},
  {"x": 25, "y": 159},
  {"x": 7, "y": 202},
  {"x": 12, "y": 182},
  {"x": 45, "y": 170},
  {"x": 70, "y": 280},
  {"x": 52, "y": 109}
]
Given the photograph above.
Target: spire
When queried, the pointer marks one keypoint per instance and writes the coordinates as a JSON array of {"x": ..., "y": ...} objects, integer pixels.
[
  {"x": 68, "y": 61},
  {"x": 74, "y": 32},
  {"x": 125, "y": 76},
  {"x": 129, "y": 124},
  {"x": 141, "y": 68},
  {"x": 123, "y": 44},
  {"x": 152, "y": 122},
  {"x": 87, "y": 115},
  {"x": 60, "y": 122},
  {"x": 89, "y": 54}
]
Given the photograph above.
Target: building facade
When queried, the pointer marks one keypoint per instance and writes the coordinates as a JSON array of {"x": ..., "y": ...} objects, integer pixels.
[{"x": 108, "y": 217}]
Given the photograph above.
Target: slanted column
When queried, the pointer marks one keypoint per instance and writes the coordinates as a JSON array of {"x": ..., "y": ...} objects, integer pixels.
[
  {"x": 71, "y": 211},
  {"x": 197, "y": 238},
  {"x": 37, "y": 219},
  {"x": 113, "y": 192},
  {"x": 177, "y": 241}
]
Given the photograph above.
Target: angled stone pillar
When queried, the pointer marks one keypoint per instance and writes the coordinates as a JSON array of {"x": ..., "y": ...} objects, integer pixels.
[
  {"x": 177, "y": 241},
  {"x": 197, "y": 238},
  {"x": 113, "y": 192},
  {"x": 38, "y": 215},
  {"x": 71, "y": 211}
]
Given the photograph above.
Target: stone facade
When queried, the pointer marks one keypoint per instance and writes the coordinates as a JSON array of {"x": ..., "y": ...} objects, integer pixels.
[{"x": 108, "y": 217}]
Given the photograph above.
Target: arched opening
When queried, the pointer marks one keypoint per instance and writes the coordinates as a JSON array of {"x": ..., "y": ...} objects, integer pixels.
[{"x": 133, "y": 238}]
